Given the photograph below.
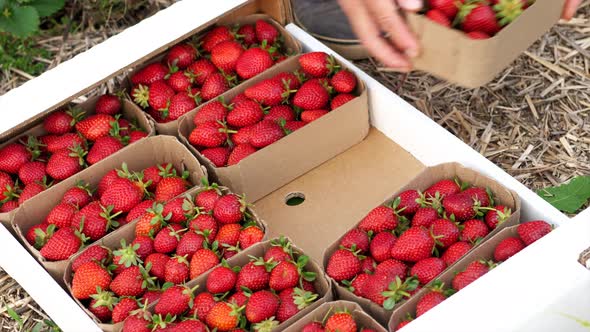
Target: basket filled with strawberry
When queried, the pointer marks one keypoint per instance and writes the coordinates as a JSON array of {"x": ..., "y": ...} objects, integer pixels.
[
  {"x": 67, "y": 141},
  {"x": 405, "y": 243},
  {"x": 167, "y": 244},
  {"x": 498, "y": 249},
  {"x": 209, "y": 64},
  {"x": 243, "y": 136}
]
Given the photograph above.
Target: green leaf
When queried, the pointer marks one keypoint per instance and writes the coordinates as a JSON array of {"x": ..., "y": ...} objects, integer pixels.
[
  {"x": 15, "y": 316},
  {"x": 39, "y": 326},
  {"x": 46, "y": 7},
  {"x": 569, "y": 197},
  {"x": 19, "y": 21}
]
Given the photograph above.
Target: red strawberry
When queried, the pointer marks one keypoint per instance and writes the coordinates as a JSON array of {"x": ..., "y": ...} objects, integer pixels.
[
  {"x": 28, "y": 192},
  {"x": 101, "y": 306},
  {"x": 355, "y": 239},
  {"x": 7, "y": 186},
  {"x": 424, "y": 217},
  {"x": 158, "y": 263},
  {"x": 480, "y": 195},
  {"x": 266, "y": 32},
  {"x": 253, "y": 62},
  {"x": 108, "y": 104},
  {"x": 130, "y": 282},
  {"x": 200, "y": 70},
  {"x": 317, "y": 64},
  {"x": 123, "y": 195},
  {"x": 93, "y": 221},
  {"x": 65, "y": 163},
  {"x": 429, "y": 301},
  {"x": 107, "y": 180},
  {"x": 381, "y": 246},
  {"x": 392, "y": 268},
  {"x": 209, "y": 134},
  {"x": 167, "y": 239},
  {"x": 508, "y": 248},
  {"x": 99, "y": 254},
  {"x": 202, "y": 304},
  {"x": 277, "y": 254},
  {"x": 358, "y": 283},
  {"x": 214, "y": 85},
  {"x": 381, "y": 218},
  {"x": 497, "y": 216},
  {"x": 87, "y": 278},
  {"x": 280, "y": 112},
  {"x": 95, "y": 126},
  {"x": 212, "y": 111},
  {"x": 311, "y": 96},
  {"x": 478, "y": 35},
  {"x": 261, "y": 305},
  {"x": 240, "y": 152},
  {"x": 455, "y": 252},
  {"x": 343, "y": 265},
  {"x": 413, "y": 245},
  {"x": 225, "y": 55},
  {"x": 158, "y": 94},
  {"x": 474, "y": 229},
  {"x": 181, "y": 55},
  {"x": 144, "y": 245},
  {"x": 460, "y": 205},
  {"x": 65, "y": 141},
  {"x": 292, "y": 301},
  {"x": 174, "y": 301},
  {"x": 102, "y": 148},
  {"x": 409, "y": 202},
  {"x": 12, "y": 157},
  {"x": 443, "y": 188},
  {"x": 445, "y": 232},
  {"x": 61, "y": 245},
  {"x": 428, "y": 269},
  {"x": 284, "y": 275},
  {"x": 204, "y": 224},
  {"x": 340, "y": 100},
  {"x": 32, "y": 171},
  {"x": 180, "y": 104},
  {"x": 78, "y": 196},
  {"x": 228, "y": 235},
  {"x": 216, "y": 36},
  {"x": 206, "y": 199},
  {"x": 342, "y": 322},
  {"x": 474, "y": 271},
  {"x": 247, "y": 33},
  {"x": 223, "y": 317},
  {"x": 151, "y": 296},
  {"x": 343, "y": 81},
  {"x": 250, "y": 236},
  {"x": 255, "y": 275},
  {"x": 176, "y": 209},
  {"x": 169, "y": 188},
  {"x": 292, "y": 126},
  {"x": 61, "y": 215},
  {"x": 244, "y": 114},
  {"x": 439, "y": 17},
  {"x": 312, "y": 115},
  {"x": 122, "y": 309},
  {"x": 156, "y": 173},
  {"x": 221, "y": 279},
  {"x": 270, "y": 92},
  {"x": 176, "y": 270},
  {"x": 313, "y": 327},
  {"x": 37, "y": 235},
  {"x": 265, "y": 133},
  {"x": 450, "y": 8},
  {"x": 202, "y": 261},
  {"x": 531, "y": 231},
  {"x": 9, "y": 206},
  {"x": 150, "y": 74},
  {"x": 139, "y": 210},
  {"x": 368, "y": 265},
  {"x": 290, "y": 79},
  {"x": 229, "y": 209},
  {"x": 137, "y": 323},
  {"x": 478, "y": 17},
  {"x": 59, "y": 123}
]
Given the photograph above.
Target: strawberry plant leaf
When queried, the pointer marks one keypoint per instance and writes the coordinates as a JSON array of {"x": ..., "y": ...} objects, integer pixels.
[
  {"x": 46, "y": 7},
  {"x": 14, "y": 316},
  {"x": 19, "y": 21},
  {"x": 569, "y": 197}
]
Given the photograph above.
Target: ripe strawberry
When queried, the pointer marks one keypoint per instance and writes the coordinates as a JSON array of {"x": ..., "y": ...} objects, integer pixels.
[
  {"x": 99, "y": 254},
  {"x": 402, "y": 324},
  {"x": 223, "y": 317},
  {"x": 428, "y": 269},
  {"x": 204, "y": 224},
  {"x": 59, "y": 123},
  {"x": 279, "y": 251},
  {"x": 266, "y": 32},
  {"x": 313, "y": 327},
  {"x": 311, "y": 96},
  {"x": 478, "y": 16},
  {"x": 32, "y": 171},
  {"x": 284, "y": 275},
  {"x": 138, "y": 210},
  {"x": 497, "y": 216},
  {"x": 229, "y": 209},
  {"x": 343, "y": 81},
  {"x": 413, "y": 245},
  {"x": 130, "y": 282},
  {"x": 312, "y": 115},
  {"x": 228, "y": 235},
  {"x": 255, "y": 275},
  {"x": 215, "y": 36},
  {"x": 261, "y": 305},
  {"x": 247, "y": 34},
  {"x": 474, "y": 229},
  {"x": 439, "y": 17},
  {"x": 101, "y": 305},
  {"x": 368, "y": 265},
  {"x": 290, "y": 79},
  {"x": 380, "y": 219},
  {"x": 343, "y": 265},
  {"x": 65, "y": 163},
  {"x": 156, "y": 173},
  {"x": 392, "y": 268},
  {"x": 102, "y": 148},
  {"x": 61, "y": 215},
  {"x": 213, "y": 111},
  {"x": 202, "y": 261},
  {"x": 460, "y": 205},
  {"x": 107, "y": 180},
  {"x": 157, "y": 96},
  {"x": 253, "y": 62},
  {"x": 340, "y": 100},
  {"x": 174, "y": 301},
  {"x": 508, "y": 248},
  {"x": 108, "y": 104},
  {"x": 292, "y": 126},
  {"x": 176, "y": 209},
  {"x": 95, "y": 126},
  {"x": 474, "y": 271},
  {"x": 29, "y": 191},
  {"x": 180, "y": 104},
  {"x": 225, "y": 55},
  {"x": 249, "y": 236},
  {"x": 479, "y": 194},
  {"x": 123, "y": 195},
  {"x": 240, "y": 152},
  {"x": 317, "y": 64},
  {"x": 78, "y": 196},
  {"x": 167, "y": 239},
  {"x": 7, "y": 186},
  {"x": 265, "y": 133},
  {"x": 342, "y": 322},
  {"x": 424, "y": 217},
  {"x": 199, "y": 70},
  {"x": 355, "y": 239},
  {"x": 202, "y": 304},
  {"x": 87, "y": 278},
  {"x": 221, "y": 279},
  {"x": 244, "y": 114},
  {"x": 12, "y": 157},
  {"x": 209, "y": 134},
  {"x": 477, "y": 35},
  {"x": 408, "y": 202},
  {"x": 61, "y": 245},
  {"x": 181, "y": 55},
  {"x": 150, "y": 74},
  {"x": 65, "y": 141},
  {"x": 158, "y": 263},
  {"x": 279, "y": 113},
  {"x": 137, "y": 323},
  {"x": 176, "y": 270},
  {"x": 381, "y": 246},
  {"x": 150, "y": 222},
  {"x": 449, "y": 8},
  {"x": 169, "y": 188},
  {"x": 443, "y": 188},
  {"x": 531, "y": 231},
  {"x": 123, "y": 309},
  {"x": 269, "y": 92},
  {"x": 445, "y": 232},
  {"x": 455, "y": 252},
  {"x": 292, "y": 301},
  {"x": 429, "y": 301},
  {"x": 358, "y": 283}
]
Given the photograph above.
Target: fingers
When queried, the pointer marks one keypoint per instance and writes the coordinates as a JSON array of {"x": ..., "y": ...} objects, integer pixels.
[
  {"x": 411, "y": 5},
  {"x": 369, "y": 33},
  {"x": 569, "y": 9},
  {"x": 392, "y": 23}
]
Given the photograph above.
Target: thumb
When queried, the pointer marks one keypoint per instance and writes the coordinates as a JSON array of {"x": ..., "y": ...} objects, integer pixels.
[{"x": 411, "y": 5}]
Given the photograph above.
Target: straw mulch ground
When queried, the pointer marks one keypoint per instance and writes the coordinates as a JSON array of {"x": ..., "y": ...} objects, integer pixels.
[{"x": 531, "y": 120}]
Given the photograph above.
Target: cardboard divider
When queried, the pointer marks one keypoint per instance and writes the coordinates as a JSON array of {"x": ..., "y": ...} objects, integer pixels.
[
  {"x": 129, "y": 110},
  {"x": 145, "y": 153},
  {"x": 485, "y": 251},
  {"x": 423, "y": 181},
  {"x": 127, "y": 233},
  {"x": 291, "y": 46},
  {"x": 294, "y": 155},
  {"x": 362, "y": 319}
]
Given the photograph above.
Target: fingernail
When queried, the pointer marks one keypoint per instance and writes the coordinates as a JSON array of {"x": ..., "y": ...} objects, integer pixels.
[
  {"x": 413, "y": 5},
  {"x": 412, "y": 53}
]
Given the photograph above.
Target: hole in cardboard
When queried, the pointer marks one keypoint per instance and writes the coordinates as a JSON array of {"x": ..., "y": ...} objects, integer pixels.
[{"x": 294, "y": 199}]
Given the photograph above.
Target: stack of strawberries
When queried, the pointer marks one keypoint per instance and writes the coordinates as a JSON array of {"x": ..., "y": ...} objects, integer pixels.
[
  {"x": 72, "y": 141},
  {"x": 187, "y": 75},
  {"x": 479, "y": 19},
  {"x": 257, "y": 296},
  {"x": 528, "y": 233},
  {"x": 399, "y": 248},
  {"x": 173, "y": 243},
  {"x": 86, "y": 214},
  {"x": 271, "y": 109}
]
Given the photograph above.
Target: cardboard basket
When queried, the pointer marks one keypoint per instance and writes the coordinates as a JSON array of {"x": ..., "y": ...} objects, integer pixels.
[
  {"x": 143, "y": 154},
  {"x": 127, "y": 233},
  {"x": 422, "y": 182},
  {"x": 129, "y": 110},
  {"x": 362, "y": 319},
  {"x": 291, "y": 46},
  {"x": 485, "y": 251},
  {"x": 275, "y": 165}
]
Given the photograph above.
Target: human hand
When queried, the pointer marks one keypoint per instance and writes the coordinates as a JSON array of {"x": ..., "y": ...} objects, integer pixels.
[
  {"x": 381, "y": 28},
  {"x": 569, "y": 9}
]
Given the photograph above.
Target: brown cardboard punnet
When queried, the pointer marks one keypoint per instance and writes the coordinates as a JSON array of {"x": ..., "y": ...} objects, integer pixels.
[
  {"x": 129, "y": 110},
  {"x": 484, "y": 251},
  {"x": 291, "y": 46},
  {"x": 362, "y": 319},
  {"x": 145, "y": 153},
  {"x": 275, "y": 165},
  {"x": 424, "y": 180},
  {"x": 127, "y": 233}
]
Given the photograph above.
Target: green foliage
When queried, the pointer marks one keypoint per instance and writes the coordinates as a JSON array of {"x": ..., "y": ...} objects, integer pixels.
[
  {"x": 21, "y": 17},
  {"x": 569, "y": 197},
  {"x": 21, "y": 54}
]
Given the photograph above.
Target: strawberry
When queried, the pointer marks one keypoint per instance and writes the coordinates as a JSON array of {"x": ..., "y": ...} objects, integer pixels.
[
  {"x": 474, "y": 229},
  {"x": 99, "y": 254},
  {"x": 202, "y": 304},
  {"x": 156, "y": 173},
  {"x": 402, "y": 324},
  {"x": 199, "y": 70},
  {"x": 266, "y": 32},
  {"x": 312, "y": 115},
  {"x": 225, "y": 55},
  {"x": 180, "y": 104},
  {"x": 429, "y": 301},
  {"x": 318, "y": 64},
  {"x": 156, "y": 96},
  {"x": 65, "y": 141},
  {"x": 340, "y": 100},
  {"x": 215, "y": 36},
  {"x": 7, "y": 186},
  {"x": 9, "y": 206},
  {"x": 137, "y": 323},
  {"x": 292, "y": 126},
  {"x": 461, "y": 206},
  {"x": 179, "y": 81},
  {"x": 12, "y": 157},
  {"x": 253, "y": 62},
  {"x": 167, "y": 239},
  {"x": 261, "y": 305},
  {"x": 150, "y": 74},
  {"x": 212, "y": 111},
  {"x": 279, "y": 251},
  {"x": 190, "y": 325},
  {"x": 284, "y": 275},
  {"x": 427, "y": 269},
  {"x": 240, "y": 152},
  {"x": 380, "y": 219},
  {"x": 358, "y": 283},
  {"x": 413, "y": 245},
  {"x": 383, "y": 288},
  {"x": 122, "y": 309},
  {"x": 221, "y": 279},
  {"x": 477, "y": 35},
  {"x": 343, "y": 265},
  {"x": 138, "y": 210},
  {"x": 479, "y": 194},
  {"x": 174, "y": 301},
  {"x": 249, "y": 236},
  {"x": 497, "y": 216},
  {"x": 176, "y": 270},
  {"x": 381, "y": 246},
  {"x": 209, "y": 134},
  {"x": 478, "y": 16},
  {"x": 445, "y": 232},
  {"x": 107, "y": 180},
  {"x": 292, "y": 301},
  {"x": 449, "y": 8},
  {"x": 169, "y": 188},
  {"x": 130, "y": 282},
  {"x": 424, "y": 217},
  {"x": 205, "y": 224},
  {"x": 181, "y": 55},
  {"x": 61, "y": 215},
  {"x": 176, "y": 209},
  {"x": 101, "y": 305},
  {"x": 125, "y": 257},
  {"x": 95, "y": 126},
  {"x": 123, "y": 195},
  {"x": 228, "y": 235},
  {"x": 78, "y": 196},
  {"x": 290, "y": 79},
  {"x": 392, "y": 268},
  {"x": 443, "y": 188},
  {"x": 202, "y": 261},
  {"x": 151, "y": 296},
  {"x": 439, "y": 17},
  {"x": 343, "y": 82},
  {"x": 474, "y": 271},
  {"x": 311, "y": 95},
  {"x": 65, "y": 163},
  {"x": 32, "y": 171},
  {"x": 244, "y": 114},
  {"x": 265, "y": 133},
  {"x": 368, "y": 265},
  {"x": 229, "y": 209},
  {"x": 60, "y": 122},
  {"x": 151, "y": 221},
  {"x": 255, "y": 275},
  {"x": 223, "y": 316},
  {"x": 102, "y": 148},
  {"x": 509, "y": 10},
  {"x": 61, "y": 245},
  {"x": 508, "y": 248},
  {"x": 455, "y": 252},
  {"x": 87, "y": 278},
  {"x": 108, "y": 104},
  {"x": 355, "y": 239},
  {"x": 531, "y": 231},
  {"x": 269, "y": 92},
  {"x": 313, "y": 327},
  {"x": 341, "y": 322},
  {"x": 158, "y": 264},
  {"x": 247, "y": 34},
  {"x": 278, "y": 113},
  {"x": 408, "y": 202},
  {"x": 29, "y": 191}
]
